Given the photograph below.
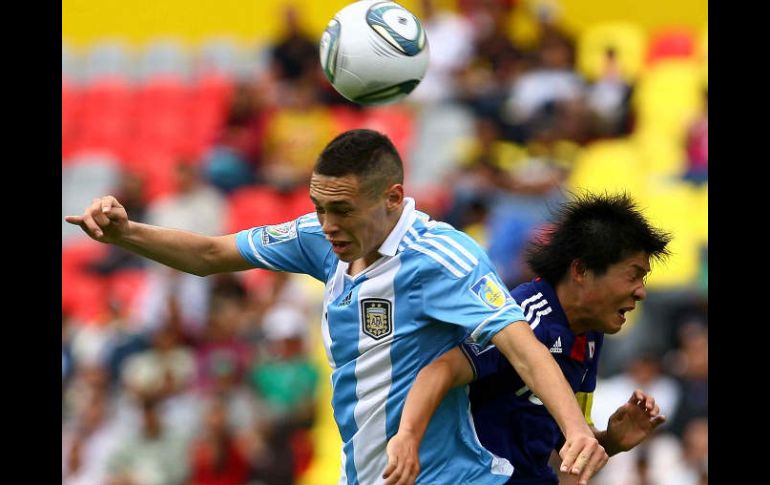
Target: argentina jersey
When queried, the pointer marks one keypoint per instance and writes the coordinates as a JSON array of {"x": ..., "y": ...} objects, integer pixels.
[
  {"x": 432, "y": 288},
  {"x": 510, "y": 420}
]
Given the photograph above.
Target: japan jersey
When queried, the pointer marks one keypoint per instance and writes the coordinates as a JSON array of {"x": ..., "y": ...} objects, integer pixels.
[
  {"x": 432, "y": 288},
  {"x": 510, "y": 420}
]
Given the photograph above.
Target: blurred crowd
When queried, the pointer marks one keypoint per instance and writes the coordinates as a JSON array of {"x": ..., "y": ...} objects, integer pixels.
[{"x": 171, "y": 379}]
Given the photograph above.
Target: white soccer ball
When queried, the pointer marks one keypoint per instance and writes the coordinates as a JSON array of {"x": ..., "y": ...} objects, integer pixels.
[{"x": 374, "y": 52}]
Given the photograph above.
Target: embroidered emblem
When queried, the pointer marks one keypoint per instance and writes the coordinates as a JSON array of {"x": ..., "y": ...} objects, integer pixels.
[{"x": 376, "y": 317}]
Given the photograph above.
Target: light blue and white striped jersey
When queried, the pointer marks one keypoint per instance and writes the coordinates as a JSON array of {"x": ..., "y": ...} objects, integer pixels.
[{"x": 432, "y": 288}]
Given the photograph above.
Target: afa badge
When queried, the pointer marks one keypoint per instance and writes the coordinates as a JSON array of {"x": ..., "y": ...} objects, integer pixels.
[
  {"x": 279, "y": 233},
  {"x": 490, "y": 291},
  {"x": 376, "y": 317}
]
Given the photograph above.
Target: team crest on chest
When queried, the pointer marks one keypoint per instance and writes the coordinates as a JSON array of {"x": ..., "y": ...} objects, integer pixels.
[{"x": 376, "y": 317}]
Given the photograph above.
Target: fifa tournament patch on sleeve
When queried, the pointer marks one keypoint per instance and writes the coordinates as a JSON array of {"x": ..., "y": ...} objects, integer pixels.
[
  {"x": 490, "y": 291},
  {"x": 279, "y": 233}
]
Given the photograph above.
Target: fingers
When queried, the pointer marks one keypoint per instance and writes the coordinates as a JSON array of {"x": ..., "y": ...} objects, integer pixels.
[
  {"x": 76, "y": 220},
  {"x": 597, "y": 461},
  {"x": 658, "y": 420},
  {"x": 576, "y": 456},
  {"x": 97, "y": 216},
  {"x": 388, "y": 473},
  {"x": 400, "y": 473},
  {"x": 109, "y": 203}
]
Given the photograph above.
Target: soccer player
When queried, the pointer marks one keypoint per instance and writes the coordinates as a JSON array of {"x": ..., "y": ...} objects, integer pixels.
[
  {"x": 401, "y": 290},
  {"x": 592, "y": 264}
]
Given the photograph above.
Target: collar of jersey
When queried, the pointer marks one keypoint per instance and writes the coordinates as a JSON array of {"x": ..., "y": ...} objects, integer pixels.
[{"x": 390, "y": 246}]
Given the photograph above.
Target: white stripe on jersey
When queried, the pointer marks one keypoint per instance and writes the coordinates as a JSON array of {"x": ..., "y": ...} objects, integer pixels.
[
  {"x": 308, "y": 220},
  {"x": 456, "y": 245},
  {"x": 483, "y": 324},
  {"x": 529, "y": 300},
  {"x": 438, "y": 258},
  {"x": 449, "y": 253},
  {"x": 540, "y": 314},
  {"x": 373, "y": 381},
  {"x": 256, "y": 253},
  {"x": 343, "y": 474},
  {"x": 531, "y": 311}
]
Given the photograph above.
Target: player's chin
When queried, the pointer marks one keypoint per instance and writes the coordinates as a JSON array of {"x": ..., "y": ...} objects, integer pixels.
[{"x": 614, "y": 325}]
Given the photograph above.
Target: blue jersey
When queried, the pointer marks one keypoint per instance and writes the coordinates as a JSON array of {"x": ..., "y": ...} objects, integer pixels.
[
  {"x": 432, "y": 288},
  {"x": 510, "y": 420}
]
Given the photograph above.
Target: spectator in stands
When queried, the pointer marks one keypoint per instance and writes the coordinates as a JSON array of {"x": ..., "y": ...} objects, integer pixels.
[
  {"x": 217, "y": 457},
  {"x": 197, "y": 207},
  {"x": 451, "y": 49},
  {"x": 644, "y": 371},
  {"x": 151, "y": 455},
  {"x": 609, "y": 99},
  {"x": 295, "y": 55},
  {"x": 690, "y": 365},
  {"x": 234, "y": 161},
  {"x": 296, "y": 132},
  {"x": 551, "y": 83},
  {"x": 87, "y": 441}
]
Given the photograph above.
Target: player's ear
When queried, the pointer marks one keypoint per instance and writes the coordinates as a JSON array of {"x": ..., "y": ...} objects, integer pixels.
[
  {"x": 578, "y": 270},
  {"x": 394, "y": 195}
]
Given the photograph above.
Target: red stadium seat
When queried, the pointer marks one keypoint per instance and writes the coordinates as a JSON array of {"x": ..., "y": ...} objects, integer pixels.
[
  {"x": 256, "y": 206},
  {"x": 677, "y": 42},
  {"x": 126, "y": 286},
  {"x": 106, "y": 116},
  {"x": 83, "y": 294},
  {"x": 70, "y": 113},
  {"x": 162, "y": 114}
]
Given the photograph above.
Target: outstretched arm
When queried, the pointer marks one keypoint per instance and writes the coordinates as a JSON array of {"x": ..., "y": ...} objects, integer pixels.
[
  {"x": 581, "y": 454},
  {"x": 105, "y": 220},
  {"x": 631, "y": 424},
  {"x": 429, "y": 388}
]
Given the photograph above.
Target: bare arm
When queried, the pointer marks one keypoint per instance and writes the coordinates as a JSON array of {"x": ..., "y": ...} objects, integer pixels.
[
  {"x": 428, "y": 390},
  {"x": 581, "y": 454},
  {"x": 105, "y": 220}
]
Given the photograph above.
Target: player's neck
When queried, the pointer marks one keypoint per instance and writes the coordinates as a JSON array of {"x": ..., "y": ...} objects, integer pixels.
[{"x": 570, "y": 304}]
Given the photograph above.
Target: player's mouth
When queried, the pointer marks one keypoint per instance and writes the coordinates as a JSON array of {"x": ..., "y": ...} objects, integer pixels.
[
  {"x": 340, "y": 246},
  {"x": 622, "y": 313}
]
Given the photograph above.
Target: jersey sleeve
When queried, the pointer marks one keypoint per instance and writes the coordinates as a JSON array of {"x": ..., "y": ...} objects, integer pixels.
[
  {"x": 297, "y": 246},
  {"x": 488, "y": 360},
  {"x": 484, "y": 361},
  {"x": 461, "y": 287}
]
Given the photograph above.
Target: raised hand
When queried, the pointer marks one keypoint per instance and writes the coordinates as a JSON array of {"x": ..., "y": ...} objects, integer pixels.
[
  {"x": 633, "y": 422},
  {"x": 105, "y": 220}
]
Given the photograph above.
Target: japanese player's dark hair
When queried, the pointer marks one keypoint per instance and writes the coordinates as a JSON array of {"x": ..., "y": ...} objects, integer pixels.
[
  {"x": 597, "y": 229},
  {"x": 367, "y": 154}
]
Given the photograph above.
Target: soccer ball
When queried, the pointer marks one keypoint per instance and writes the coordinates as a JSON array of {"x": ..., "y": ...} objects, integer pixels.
[{"x": 374, "y": 52}]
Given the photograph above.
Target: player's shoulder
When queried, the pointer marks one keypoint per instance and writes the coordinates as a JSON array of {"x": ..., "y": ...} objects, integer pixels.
[
  {"x": 439, "y": 247},
  {"x": 305, "y": 225},
  {"x": 539, "y": 303},
  {"x": 309, "y": 223},
  {"x": 525, "y": 290}
]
